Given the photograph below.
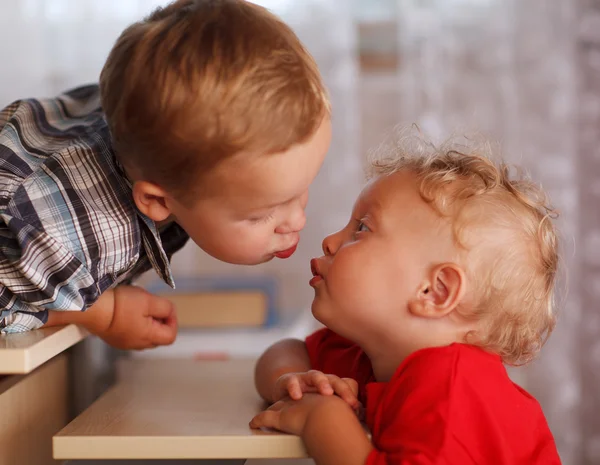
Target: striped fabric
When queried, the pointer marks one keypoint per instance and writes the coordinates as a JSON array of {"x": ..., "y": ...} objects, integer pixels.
[{"x": 69, "y": 229}]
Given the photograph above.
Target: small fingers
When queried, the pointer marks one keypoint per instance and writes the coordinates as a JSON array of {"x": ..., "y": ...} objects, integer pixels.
[
  {"x": 287, "y": 385},
  {"x": 320, "y": 381},
  {"x": 346, "y": 390},
  {"x": 160, "y": 308},
  {"x": 267, "y": 419},
  {"x": 353, "y": 385},
  {"x": 293, "y": 388},
  {"x": 163, "y": 333}
]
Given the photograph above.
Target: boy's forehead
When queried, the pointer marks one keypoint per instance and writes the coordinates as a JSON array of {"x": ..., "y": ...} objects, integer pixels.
[
  {"x": 267, "y": 183},
  {"x": 271, "y": 179}
]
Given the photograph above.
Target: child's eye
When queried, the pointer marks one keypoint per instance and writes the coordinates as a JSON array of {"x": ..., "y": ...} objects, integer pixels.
[{"x": 362, "y": 227}]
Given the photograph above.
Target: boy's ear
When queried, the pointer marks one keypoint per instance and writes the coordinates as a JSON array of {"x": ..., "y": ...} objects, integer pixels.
[
  {"x": 440, "y": 293},
  {"x": 151, "y": 200}
]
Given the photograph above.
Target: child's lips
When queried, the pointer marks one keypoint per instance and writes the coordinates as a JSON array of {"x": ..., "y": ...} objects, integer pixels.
[
  {"x": 314, "y": 268},
  {"x": 287, "y": 253}
]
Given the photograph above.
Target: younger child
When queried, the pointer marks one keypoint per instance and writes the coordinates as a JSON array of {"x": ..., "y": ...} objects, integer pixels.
[
  {"x": 445, "y": 272},
  {"x": 210, "y": 122}
]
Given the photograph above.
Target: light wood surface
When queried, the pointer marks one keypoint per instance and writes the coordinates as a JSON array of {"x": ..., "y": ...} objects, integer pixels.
[
  {"x": 220, "y": 309},
  {"x": 176, "y": 409},
  {"x": 23, "y": 352},
  {"x": 33, "y": 408}
]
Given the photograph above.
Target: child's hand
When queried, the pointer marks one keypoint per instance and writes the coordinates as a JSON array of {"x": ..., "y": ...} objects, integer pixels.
[
  {"x": 140, "y": 320},
  {"x": 290, "y": 416},
  {"x": 313, "y": 381}
]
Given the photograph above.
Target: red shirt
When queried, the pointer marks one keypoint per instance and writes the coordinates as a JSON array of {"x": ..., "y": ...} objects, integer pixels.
[{"x": 444, "y": 405}]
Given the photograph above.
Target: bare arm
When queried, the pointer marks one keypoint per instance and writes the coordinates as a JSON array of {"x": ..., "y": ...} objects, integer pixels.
[
  {"x": 126, "y": 318},
  {"x": 334, "y": 436},
  {"x": 286, "y": 356},
  {"x": 95, "y": 319}
]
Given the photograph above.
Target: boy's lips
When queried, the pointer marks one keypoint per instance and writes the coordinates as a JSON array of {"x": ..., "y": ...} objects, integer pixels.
[
  {"x": 314, "y": 268},
  {"x": 287, "y": 252}
]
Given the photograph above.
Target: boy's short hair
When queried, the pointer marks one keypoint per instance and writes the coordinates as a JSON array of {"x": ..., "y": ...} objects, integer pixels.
[
  {"x": 504, "y": 224},
  {"x": 202, "y": 80}
]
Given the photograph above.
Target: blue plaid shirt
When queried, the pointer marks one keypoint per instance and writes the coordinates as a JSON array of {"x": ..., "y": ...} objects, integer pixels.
[{"x": 69, "y": 229}]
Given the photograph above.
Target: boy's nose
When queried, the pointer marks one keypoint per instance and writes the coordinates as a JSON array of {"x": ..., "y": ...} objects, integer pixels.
[
  {"x": 332, "y": 243},
  {"x": 294, "y": 223}
]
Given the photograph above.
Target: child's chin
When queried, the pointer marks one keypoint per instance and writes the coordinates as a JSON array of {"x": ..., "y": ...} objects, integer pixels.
[{"x": 319, "y": 311}]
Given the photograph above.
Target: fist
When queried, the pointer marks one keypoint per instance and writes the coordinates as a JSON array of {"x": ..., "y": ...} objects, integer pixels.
[{"x": 140, "y": 320}]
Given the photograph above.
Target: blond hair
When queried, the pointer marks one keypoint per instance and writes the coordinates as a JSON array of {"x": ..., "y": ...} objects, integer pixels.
[
  {"x": 514, "y": 263},
  {"x": 199, "y": 81}
]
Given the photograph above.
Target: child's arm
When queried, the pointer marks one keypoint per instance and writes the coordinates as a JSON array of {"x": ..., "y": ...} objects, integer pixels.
[
  {"x": 95, "y": 319},
  {"x": 286, "y": 356},
  {"x": 127, "y": 317},
  {"x": 329, "y": 428},
  {"x": 285, "y": 370},
  {"x": 334, "y": 436}
]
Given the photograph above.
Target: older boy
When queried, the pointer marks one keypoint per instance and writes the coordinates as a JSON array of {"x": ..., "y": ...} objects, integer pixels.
[{"x": 210, "y": 122}]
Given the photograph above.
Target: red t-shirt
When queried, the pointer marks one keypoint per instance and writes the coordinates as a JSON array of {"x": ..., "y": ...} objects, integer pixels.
[{"x": 444, "y": 405}]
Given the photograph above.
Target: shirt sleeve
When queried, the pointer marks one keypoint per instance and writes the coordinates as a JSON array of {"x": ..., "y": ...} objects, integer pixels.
[{"x": 38, "y": 274}]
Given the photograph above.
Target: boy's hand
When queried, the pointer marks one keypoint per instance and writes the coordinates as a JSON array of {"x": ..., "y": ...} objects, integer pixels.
[
  {"x": 295, "y": 385},
  {"x": 140, "y": 320}
]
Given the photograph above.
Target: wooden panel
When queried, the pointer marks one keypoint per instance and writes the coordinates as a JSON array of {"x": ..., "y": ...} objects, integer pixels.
[
  {"x": 220, "y": 309},
  {"x": 176, "y": 409},
  {"x": 23, "y": 352},
  {"x": 33, "y": 408}
]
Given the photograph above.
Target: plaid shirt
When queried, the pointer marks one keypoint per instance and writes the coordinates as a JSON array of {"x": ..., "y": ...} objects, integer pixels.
[{"x": 69, "y": 229}]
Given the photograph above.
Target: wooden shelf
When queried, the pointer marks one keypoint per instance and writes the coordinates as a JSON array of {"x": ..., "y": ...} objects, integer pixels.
[
  {"x": 176, "y": 409},
  {"x": 22, "y": 353}
]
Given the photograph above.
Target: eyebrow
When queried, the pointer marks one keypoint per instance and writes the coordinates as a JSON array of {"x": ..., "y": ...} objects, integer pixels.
[
  {"x": 373, "y": 208},
  {"x": 375, "y": 211}
]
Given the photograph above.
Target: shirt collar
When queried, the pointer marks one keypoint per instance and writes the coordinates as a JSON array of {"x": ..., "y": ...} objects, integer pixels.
[{"x": 150, "y": 236}]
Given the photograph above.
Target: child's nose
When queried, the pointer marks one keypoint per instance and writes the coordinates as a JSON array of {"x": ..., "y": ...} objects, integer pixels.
[
  {"x": 294, "y": 223},
  {"x": 332, "y": 243}
]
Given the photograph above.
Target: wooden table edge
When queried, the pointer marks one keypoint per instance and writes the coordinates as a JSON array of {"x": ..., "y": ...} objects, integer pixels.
[
  {"x": 267, "y": 446},
  {"x": 24, "y": 361}
]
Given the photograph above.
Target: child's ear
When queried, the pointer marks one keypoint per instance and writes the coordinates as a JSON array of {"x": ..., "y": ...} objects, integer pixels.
[
  {"x": 440, "y": 293},
  {"x": 151, "y": 200}
]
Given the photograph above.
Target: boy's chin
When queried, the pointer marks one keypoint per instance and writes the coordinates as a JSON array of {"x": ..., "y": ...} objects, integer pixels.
[{"x": 247, "y": 261}]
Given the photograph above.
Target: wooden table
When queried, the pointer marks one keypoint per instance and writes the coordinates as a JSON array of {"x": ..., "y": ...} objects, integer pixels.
[{"x": 176, "y": 409}]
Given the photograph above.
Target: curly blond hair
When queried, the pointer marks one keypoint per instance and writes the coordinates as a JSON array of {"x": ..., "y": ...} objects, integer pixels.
[{"x": 503, "y": 222}]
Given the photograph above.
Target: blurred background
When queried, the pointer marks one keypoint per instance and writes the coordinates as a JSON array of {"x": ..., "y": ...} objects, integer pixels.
[{"x": 524, "y": 72}]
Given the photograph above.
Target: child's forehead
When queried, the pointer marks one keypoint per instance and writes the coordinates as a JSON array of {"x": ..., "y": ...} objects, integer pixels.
[{"x": 390, "y": 191}]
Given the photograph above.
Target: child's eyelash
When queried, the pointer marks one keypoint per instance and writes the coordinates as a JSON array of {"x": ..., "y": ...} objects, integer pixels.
[
  {"x": 262, "y": 219},
  {"x": 359, "y": 227}
]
